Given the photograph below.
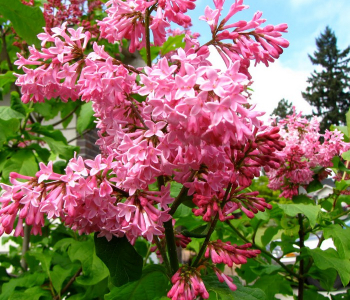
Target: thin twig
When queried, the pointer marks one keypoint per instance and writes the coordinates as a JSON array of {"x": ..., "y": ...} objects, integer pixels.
[
  {"x": 80, "y": 135},
  {"x": 69, "y": 283},
  {"x": 66, "y": 117},
  {"x": 254, "y": 245}
]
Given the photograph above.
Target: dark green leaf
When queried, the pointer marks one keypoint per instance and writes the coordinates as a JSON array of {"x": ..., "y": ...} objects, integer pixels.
[
  {"x": 153, "y": 284},
  {"x": 33, "y": 293},
  {"x": 27, "y": 281},
  {"x": 222, "y": 292},
  {"x": 338, "y": 164},
  {"x": 120, "y": 257},
  {"x": 314, "y": 295},
  {"x": 27, "y": 21},
  {"x": 199, "y": 232},
  {"x": 310, "y": 211},
  {"x": 331, "y": 259},
  {"x": 269, "y": 233},
  {"x": 314, "y": 185},
  {"x": 86, "y": 118},
  {"x": 16, "y": 103},
  {"x": 326, "y": 278},
  {"x": 302, "y": 199},
  {"x": 43, "y": 153},
  {"x": 60, "y": 148}
]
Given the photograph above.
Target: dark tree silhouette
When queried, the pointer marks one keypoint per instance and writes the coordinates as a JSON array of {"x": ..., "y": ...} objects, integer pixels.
[{"x": 328, "y": 91}]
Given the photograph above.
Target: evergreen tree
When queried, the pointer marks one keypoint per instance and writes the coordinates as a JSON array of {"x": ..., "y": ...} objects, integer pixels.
[
  {"x": 283, "y": 109},
  {"x": 328, "y": 90}
]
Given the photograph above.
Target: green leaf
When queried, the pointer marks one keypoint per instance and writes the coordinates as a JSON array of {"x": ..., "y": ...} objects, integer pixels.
[
  {"x": 269, "y": 233},
  {"x": 43, "y": 153},
  {"x": 153, "y": 284},
  {"x": 44, "y": 258},
  {"x": 122, "y": 260},
  {"x": 302, "y": 199},
  {"x": 154, "y": 53},
  {"x": 341, "y": 238},
  {"x": 16, "y": 104},
  {"x": 325, "y": 277},
  {"x": 60, "y": 148},
  {"x": 7, "y": 113},
  {"x": 331, "y": 259},
  {"x": 314, "y": 295},
  {"x": 6, "y": 78},
  {"x": 310, "y": 211},
  {"x": 27, "y": 21},
  {"x": 173, "y": 43},
  {"x": 94, "y": 270},
  {"x": 274, "y": 284},
  {"x": 8, "y": 130},
  {"x": 347, "y": 115},
  {"x": 33, "y": 293},
  {"x": 346, "y": 155},
  {"x": 199, "y": 232},
  {"x": 220, "y": 291},
  {"x": 27, "y": 281},
  {"x": 86, "y": 118},
  {"x": 58, "y": 275},
  {"x": 22, "y": 162},
  {"x": 338, "y": 164},
  {"x": 314, "y": 185}
]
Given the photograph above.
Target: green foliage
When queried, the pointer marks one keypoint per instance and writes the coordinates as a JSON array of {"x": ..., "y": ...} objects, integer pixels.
[
  {"x": 153, "y": 285},
  {"x": 220, "y": 291},
  {"x": 86, "y": 118},
  {"x": 272, "y": 285},
  {"x": 122, "y": 260},
  {"x": 27, "y": 21},
  {"x": 331, "y": 259},
  {"x": 310, "y": 211}
]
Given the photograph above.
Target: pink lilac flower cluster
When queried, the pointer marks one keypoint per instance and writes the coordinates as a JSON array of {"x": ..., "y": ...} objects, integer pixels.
[
  {"x": 57, "y": 12},
  {"x": 187, "y": 284},
  {"x": 126, "y": 19},
  {"x": 194, "y": 126},
  {"x": 250, "y": 41},
  {"x": 304, "y": 152}
]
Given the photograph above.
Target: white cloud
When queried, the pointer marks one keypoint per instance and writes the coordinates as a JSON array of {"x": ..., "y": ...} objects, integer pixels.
[{"x": 275, "y": 82}]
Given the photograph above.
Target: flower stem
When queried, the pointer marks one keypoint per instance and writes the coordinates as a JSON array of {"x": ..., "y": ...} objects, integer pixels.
[
  {"x": 211, "y": 230},
  {"x": 147, "y": 37}
]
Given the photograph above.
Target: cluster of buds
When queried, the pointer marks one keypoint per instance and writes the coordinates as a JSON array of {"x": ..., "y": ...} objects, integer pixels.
[{"x": 187, "y": 285}]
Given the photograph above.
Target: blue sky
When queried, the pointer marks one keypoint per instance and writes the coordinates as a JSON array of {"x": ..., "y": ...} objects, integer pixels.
[{"x": 306, "y": 20}]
